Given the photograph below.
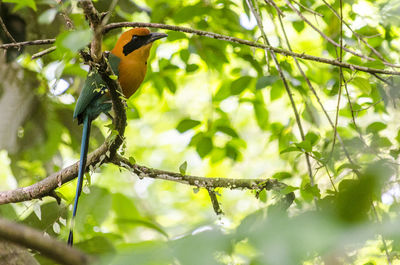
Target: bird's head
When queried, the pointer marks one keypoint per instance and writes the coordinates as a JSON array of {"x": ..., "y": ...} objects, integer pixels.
[{"x": 135, "y": 39}]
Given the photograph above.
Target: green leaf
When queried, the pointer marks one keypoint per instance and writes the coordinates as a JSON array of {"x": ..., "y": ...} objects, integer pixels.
[
  {"x": 398, "y": 136},
  {"x": 312, "y": 138},
  {"x": 182, "y": 168},
  {"x": 204, "y": 146},
  {"x": 47, "y": 16},
  {"x": 231, "y": 152},
  {"x": 132, "y": 160},
  {"x": 265, "y": 81},
  {"x": 276, "y": 91},
  {"x": 170, "y": 84},
  {"x": 263, "y": 195},
  {"x": 375, "y": 64},
  {"x": 22, "y": 3},
  {"x": 298, "y": 25},
  {"x": 382, "y": 142},
  {"x": 362, "y": 83},
  {"x": 143, "y": 222},
  {"x": 196, "y": 138},
  {"x": 94, "y": 208},
  {"x": 124, "y": 207},
  {"x": 308, "y": 192},
  {"x": 184, "y": 54},
  {"x": 347, "y": 165},
  {"x": 175, "y": 35},
  {"x": 288, "y": 189},
  {"x": 290, "y": 149},
  {"x": 305, "y": 145},
  {"x": 262, "y": 115},
  {"x": 376, "y": 127},
  {"x": 96, "y": 245},
  {"x": 282, "y": 175},
  {"x": 191, "y": 68},
  {"x": 187, "y": 124},
  {"x": 113, "y": 77},
  {"x": 223, "y": 92},
  {"x": 240, "y": 84},
  {"x": 227, "y": 130},
  {"x": 76, "y": 40}
]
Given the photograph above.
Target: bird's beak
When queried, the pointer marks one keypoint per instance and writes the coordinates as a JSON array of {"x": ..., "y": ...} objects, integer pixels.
[{"x": 156, "y": 36}]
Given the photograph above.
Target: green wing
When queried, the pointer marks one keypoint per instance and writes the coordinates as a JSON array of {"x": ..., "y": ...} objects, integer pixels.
[{"x": 94, "y": 89}]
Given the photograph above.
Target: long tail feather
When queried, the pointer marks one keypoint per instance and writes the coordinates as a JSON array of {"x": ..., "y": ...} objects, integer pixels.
[{"x": 82, "y": 166}]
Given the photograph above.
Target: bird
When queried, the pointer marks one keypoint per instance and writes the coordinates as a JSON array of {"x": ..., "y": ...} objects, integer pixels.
[{"x": 128, "y": 60}]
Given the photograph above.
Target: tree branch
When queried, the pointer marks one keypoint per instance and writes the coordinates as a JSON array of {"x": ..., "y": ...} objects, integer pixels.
[
  {"x": 220, "y": 37},
  {"x": 8, "y": 34},
  {"x": 98, "y": 157},
  {"x": 45, "y": 186},
  {"x": 50, "y": 247},
  {"x": 200, "y": 182},
  {"x": 27, "y": 43},
  {"x": 11, "y": 253},
  {"x": 44, "y": 52},
  {"x": 334, "y": 43},
  {"x": 249, "y": 43},
  {"x": 95, "y": 23}
]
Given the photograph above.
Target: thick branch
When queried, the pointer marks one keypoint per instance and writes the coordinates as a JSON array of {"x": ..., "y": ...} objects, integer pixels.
[
  {"x": 95, "y": 23},
  {"x": 118, "y": 105},
  {"x": 13, "y": 254},
  {"x": 250, "y": 43},
  {"x": 45, "y": 186},
  {"x": 31, "y": 238}
]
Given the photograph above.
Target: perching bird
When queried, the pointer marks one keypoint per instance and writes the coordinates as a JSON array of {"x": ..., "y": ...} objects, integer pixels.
[{"x": 128, "y": 60}]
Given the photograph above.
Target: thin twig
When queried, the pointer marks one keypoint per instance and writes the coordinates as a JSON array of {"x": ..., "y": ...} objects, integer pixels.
[
  {"x": 69, "y": 24},
  {"x": 383, "y": 80},
  {"x": 359, "y": 37},
  {"x": 27, "y": 43},
  {"x": 332, "y": 41},
  {"x": 273, "y": 4},
  {"x": 340, "y": 83},
  {"x": 109, "y": 12},
  {"x": 308, "y": 9},
  {"x": 249, "y": 43},
  {"x": 315, "y": 93},
  {"x": 44, "y": 52},
  {"x": 288, "y": 90},
  {"x": 330, "y": 178},
  {"x": 373, "y": 104},
  {"x": 3, "y": 26},
  {"x": 385, "y": 247}
]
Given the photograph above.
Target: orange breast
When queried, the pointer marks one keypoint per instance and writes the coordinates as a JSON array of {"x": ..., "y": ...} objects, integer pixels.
[
  {"x": 131, "y": 75},
  {"x": 132, "y": 68}
]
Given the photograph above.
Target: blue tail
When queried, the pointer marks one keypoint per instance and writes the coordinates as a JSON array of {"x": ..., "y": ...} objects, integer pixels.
[{"x": 82, "y": 166}]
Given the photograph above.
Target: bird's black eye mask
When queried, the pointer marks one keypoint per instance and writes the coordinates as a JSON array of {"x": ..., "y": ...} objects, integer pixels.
[{"x": 135, "y": 43}]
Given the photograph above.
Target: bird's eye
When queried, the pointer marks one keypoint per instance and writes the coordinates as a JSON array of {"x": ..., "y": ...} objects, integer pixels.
[{"x": 134, "y": 37}]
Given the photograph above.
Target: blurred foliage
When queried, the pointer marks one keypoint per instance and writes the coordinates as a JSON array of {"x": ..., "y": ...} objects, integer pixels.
[{"x": 219, "y": 109}]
